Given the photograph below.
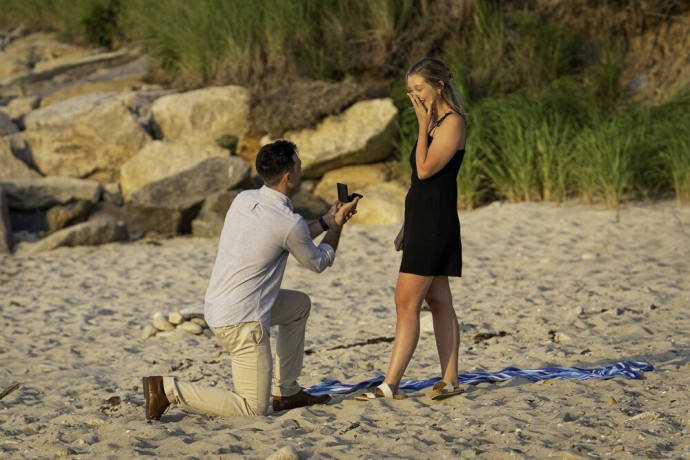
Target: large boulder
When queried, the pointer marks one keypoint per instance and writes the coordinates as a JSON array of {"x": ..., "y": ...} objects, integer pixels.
[
  {"x": 159, "y": 160},
  {"x": 46, "y": 192},
  {"x": 209, "y": 222},
  {"x": 6, "y": 240},
  {"x": 12, "y": 167},
  {"x": 85, "y": 234},
  {"x": 364, "y": 133},
  {"x": 18, "y": 107},
  {"x": 383, "y": 204},
  {"x": 169, "y": 205},
  {"x": 203, "y": 116},
  {"x": 356, "y": 178},
  {"x": 7, "y": 126},
  {"x": 87, "y": 136}
]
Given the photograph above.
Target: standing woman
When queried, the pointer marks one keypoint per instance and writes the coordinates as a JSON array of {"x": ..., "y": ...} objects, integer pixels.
[{"x": 430, "y": 236}]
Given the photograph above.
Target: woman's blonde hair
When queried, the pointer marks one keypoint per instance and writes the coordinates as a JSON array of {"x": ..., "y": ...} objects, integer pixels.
[{"x": 434, "y": 70}]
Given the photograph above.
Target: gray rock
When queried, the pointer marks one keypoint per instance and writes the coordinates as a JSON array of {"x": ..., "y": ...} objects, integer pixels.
[
  {"x": 46, "y": 192},
  {"x": 84, "y": 234},
  {"x": 6, "y": 125},
  {"x": 309, "y": 205},
  {"x": 6, "y": 240},
  {"x": 169, "y": 206},
  {"x": 209, "y": 222},
  {"x": 159, "y": 160},
  {"x": 61, "y": 216}
]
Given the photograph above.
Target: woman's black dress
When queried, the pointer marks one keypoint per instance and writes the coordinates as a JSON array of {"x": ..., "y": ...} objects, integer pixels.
[{"x": 431, "y": 240}]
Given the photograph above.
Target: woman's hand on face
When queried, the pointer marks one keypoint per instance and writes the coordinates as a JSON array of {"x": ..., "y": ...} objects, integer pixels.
[{"x": 424, "y": 111}]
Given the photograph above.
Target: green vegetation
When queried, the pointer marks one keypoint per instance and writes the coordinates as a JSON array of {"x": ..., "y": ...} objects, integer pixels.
[{"x": 549, "y": 119}]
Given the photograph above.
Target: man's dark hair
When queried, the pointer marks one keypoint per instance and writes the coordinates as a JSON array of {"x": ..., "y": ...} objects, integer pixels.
[{"x": 274, "y": 160}]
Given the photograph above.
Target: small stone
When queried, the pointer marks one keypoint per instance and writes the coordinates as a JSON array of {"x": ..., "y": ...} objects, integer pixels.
[
  {"x": 618, "y": 449},
  {"x": 149, "y": 331},
  {"x": 285, "y": 453},
  {"x": 200, "y": 321},
  {"x": 192, "y": 312},
  {"x": 588, "y": 256},
  {"x": 66, "y": 452},
  {"x": 161, "y": 323},
  {"x": 568, "y": 417},
  {"x": 29, "y": 431},
  {"x": 611, "y": 401},
  {"x": 191, "y": 327},
  {"x": 176, "y": 318}
]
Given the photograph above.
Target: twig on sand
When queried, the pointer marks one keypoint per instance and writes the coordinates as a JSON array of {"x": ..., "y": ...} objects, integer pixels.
[{"x": 8, "y": 390}]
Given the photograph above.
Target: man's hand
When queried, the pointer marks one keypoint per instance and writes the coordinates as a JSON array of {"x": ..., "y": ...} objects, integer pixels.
[{"x": 345, "y": 211}]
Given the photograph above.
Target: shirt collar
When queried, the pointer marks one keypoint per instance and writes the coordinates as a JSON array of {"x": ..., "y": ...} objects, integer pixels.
[{"x": 275, "y": 195}]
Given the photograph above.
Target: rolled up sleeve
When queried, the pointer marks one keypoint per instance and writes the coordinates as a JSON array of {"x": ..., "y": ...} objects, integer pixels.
[{"x": 302, "y": 247}]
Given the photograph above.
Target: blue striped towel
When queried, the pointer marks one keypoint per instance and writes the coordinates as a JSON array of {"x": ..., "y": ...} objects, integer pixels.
[{"x": 625, "y": 369}]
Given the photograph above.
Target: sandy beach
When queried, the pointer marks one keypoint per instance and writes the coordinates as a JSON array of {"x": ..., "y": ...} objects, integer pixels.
[{"x": 543, "y": 285}]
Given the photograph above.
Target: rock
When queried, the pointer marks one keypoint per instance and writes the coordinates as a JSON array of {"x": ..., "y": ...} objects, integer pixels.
[
  {"x": 356, "y": 178},
  {"x": 12, "y": 167},
  {"x": 203, "y": 116},
  {"x": 169, "y": 206},
  {"x": 611, "y": 401},
  {"x": 285, "y": 453},
  {"x": 61, "y": 216},
  {"x": 112, "y": 194},
  {"x": 176, "y": 318},
  {"x": 191, "y": 327},
  {"x": 161, "y": 323},
  {"x": 364, "y": 133},
  {"x": 148, "y": 332},
  {"x": 46, "y": 192},
  {"x": 382, "y": 204},
  {"x": 84, "y": 234},
  {"x": 6, "y": 239},
  {"x": 159, "y": 160},
  {"x": 308, "y": 205},
  {"x": 200, "y": 321},
  {"x": 18, "y": 107},
  {"x": 192, "y": 312},
  {"x": 209, "y": 222},
  {"x": 88, "y": 135},
  {"x": 6, "y": 125}
]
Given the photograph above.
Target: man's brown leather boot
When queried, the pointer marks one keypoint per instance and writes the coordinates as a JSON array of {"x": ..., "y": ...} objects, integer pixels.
[
  {"x": 156, "y": 401},
  {"x": 301, "y": 399}
]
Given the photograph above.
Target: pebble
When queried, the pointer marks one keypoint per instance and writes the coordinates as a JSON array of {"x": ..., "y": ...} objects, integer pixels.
[
  {"x": 176, "y": 318},
  {"x": 286, "y": 453},
  {"x": 149, "y": 331},
  {"x": 612, "y": 401},
  {"x": 190, "y": 319},
  {"x": 161, "y": 323},
  {"x": 191, "y": 327}
]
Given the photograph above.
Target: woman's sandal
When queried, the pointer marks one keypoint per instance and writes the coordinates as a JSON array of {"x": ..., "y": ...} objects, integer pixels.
[
  {"x": 442, "y": 390},
  {"x": 381, "y": 391}
]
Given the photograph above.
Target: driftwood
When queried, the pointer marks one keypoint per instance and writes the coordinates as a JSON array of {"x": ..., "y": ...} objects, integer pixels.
[{"x": 8, "y": 390}]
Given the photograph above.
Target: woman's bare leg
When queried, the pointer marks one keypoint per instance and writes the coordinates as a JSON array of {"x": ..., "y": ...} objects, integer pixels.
[
  {"x": 446, "y": 329},
  {"x": 409, "y": 293}
]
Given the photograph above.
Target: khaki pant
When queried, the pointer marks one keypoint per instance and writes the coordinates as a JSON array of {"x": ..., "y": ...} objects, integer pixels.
[{"x": 250, "y": 351}]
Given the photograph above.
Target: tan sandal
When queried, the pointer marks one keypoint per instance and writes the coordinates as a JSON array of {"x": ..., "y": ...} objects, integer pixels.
[
  {"x": 442, "y": 390},
  {"x": 381, "y": 391}
]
